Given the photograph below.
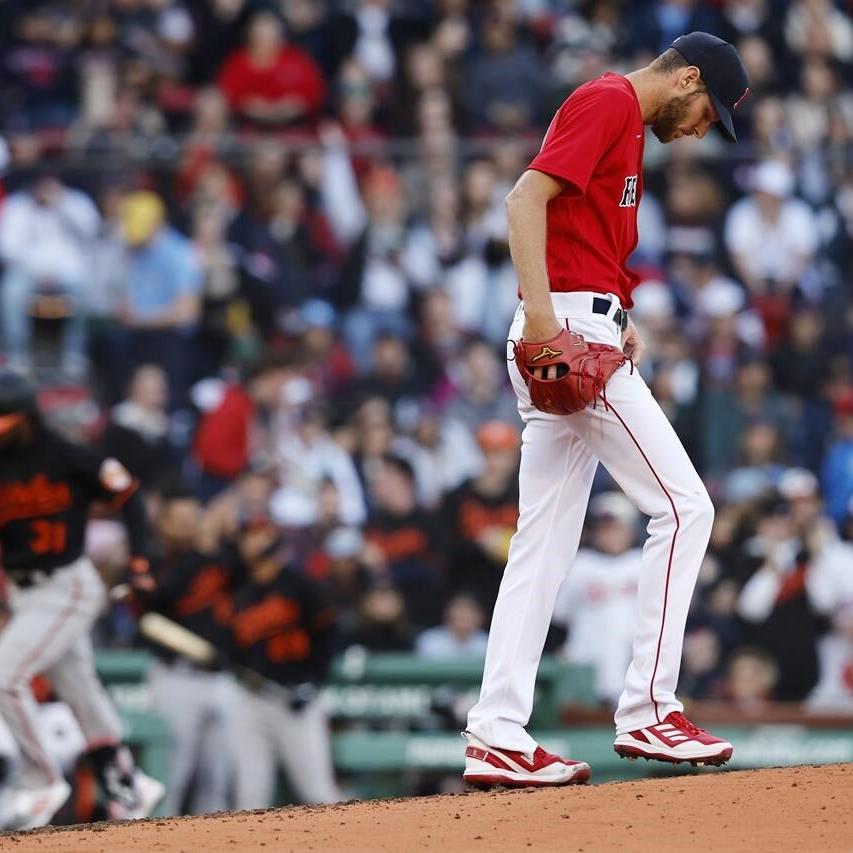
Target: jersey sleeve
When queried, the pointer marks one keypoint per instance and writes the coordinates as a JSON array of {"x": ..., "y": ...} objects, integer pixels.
[
  {"x": 100, "y": 477},
  {"x": 582, "y": 130},
  {"x": 85, "y": 463}
]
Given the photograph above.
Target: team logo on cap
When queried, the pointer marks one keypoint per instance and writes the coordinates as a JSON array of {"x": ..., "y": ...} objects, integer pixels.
[{"x": 738, "y": 101}]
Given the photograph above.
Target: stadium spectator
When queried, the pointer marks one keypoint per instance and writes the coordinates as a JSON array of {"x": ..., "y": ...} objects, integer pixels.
[
  {"x": 760, "y": 463},
  {"x": 818, "y": 27},
  {"x": 328, "y": 363},
  {"x": 308, "y": 458},
  {"x": 728, "y": 411},
  {"x": 357, "y": 106},
  {"x": 504, "y": 91},
  {"x": 236, "y": 423},
  {"x": 270, "y": 83},
  {"x": 46, "y": 233},
  {"x": 344, "y": 574},
  {"x": 482, "y": 393},
  {"x": 138, "y": 431},
  {"x": 771, "y": 237},
  {"x": 159, "y": 309},
  {"x": 601, "y": 589},
  {"x": 107, "y": 265},
  {"x": 751, "y": 680},
  {"x": 837, "y": 470},
  {"x": 460, "y": 636},
  {"x": 480, "y": 280},
  {"x": 401, "y": 539},
  {"x": 776, "y": 602},
  {"x": 442, "y": 452},
  {"x": 390, "y": 374},
  {"x": 222, "y": 311},
  {"x": 245, "y": 500},
  {"x": 479, "y": 517},
  {"x": 702, "y": 663},
  {"x": 38, "y": 70},
  {"x": 382, "y": 624},
  {"x": 373, "y": 287}
]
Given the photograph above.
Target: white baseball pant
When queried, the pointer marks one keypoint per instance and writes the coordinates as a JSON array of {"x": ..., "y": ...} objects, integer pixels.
[
  {"x": 268, "y": 734},
  {"x": 195, "y": 704},
  {"x": 49, "y": 633},
  {"x": 635, "y": 442}
]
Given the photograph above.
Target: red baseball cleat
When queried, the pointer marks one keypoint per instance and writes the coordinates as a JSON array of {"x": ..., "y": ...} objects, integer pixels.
[
  {"x": 674, "y": 740},
  {"x": 486, "y": 766}
]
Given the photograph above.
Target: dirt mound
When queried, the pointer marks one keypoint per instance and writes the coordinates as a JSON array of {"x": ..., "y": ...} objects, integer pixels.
[{"x": 799, "y": 808}]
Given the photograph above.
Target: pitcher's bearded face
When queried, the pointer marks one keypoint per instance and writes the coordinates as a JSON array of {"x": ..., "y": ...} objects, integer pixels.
[{"x": 684, "y": 115}]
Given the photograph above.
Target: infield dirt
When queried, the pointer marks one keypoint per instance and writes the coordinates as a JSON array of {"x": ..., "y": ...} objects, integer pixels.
[{"x": 793, "y": 809}]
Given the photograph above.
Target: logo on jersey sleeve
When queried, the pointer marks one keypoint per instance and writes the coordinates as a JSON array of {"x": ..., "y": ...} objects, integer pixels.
[{"x": 629, "y": 192}]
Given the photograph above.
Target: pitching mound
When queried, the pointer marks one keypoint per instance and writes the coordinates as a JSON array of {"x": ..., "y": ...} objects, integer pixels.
[{"x": 801, "y": 808}]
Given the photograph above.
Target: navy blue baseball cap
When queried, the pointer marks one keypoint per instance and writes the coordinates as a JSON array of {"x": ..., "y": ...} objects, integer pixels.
[{"x": 722, "y": 72}]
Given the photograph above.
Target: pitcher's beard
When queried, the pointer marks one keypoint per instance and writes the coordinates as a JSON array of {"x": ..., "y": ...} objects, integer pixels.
[{"x": 670, "y": 116}]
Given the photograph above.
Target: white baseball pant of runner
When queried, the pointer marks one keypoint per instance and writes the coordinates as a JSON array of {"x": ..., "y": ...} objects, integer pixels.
[
  {"x": 48, "y": 633},
  {"x": 195, "y": 705},
  {"x": 266, "y": 734},
  {"x": 635, "y": 442}
]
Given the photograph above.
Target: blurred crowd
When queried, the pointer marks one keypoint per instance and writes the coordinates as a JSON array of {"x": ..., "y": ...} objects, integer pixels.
[{"x": 259, "y": 249}]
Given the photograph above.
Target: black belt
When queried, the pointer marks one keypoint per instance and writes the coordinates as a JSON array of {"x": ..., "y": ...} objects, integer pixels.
[
  {"x": 601, "y": 305},
  {"x": 25, "y": 578}
]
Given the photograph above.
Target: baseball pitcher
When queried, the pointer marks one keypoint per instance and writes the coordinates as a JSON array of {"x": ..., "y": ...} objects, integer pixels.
[
  {"x": 46, "y": 488},
  {"x": 572, "y": 225}
]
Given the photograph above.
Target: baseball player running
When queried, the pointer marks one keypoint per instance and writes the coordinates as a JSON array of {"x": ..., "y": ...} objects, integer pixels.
[
  {"x": 572, "y": 225},
  {"x": 46, "y": 487}
]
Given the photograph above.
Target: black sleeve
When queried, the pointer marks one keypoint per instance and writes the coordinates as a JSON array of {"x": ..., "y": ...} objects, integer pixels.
[
  {"x": 85, "y": 464},
  {"x": 121, "y": 491},
  {"x": 322, "y": 625},
  {"x": 135, "y": 519}
]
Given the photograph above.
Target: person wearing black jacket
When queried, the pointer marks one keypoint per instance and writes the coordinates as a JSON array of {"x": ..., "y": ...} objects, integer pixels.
[{"x": 282, "y": 641}]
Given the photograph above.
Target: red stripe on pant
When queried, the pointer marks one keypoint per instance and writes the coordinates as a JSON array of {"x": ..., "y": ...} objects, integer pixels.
[
  {"x": 32, "y": 660},
  {"x": 669, "y": 561}
]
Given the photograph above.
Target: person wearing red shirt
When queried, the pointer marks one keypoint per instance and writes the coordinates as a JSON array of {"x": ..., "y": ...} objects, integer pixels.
[
  {"x": 269, "y": 82},
  {"x": 572, "y": 225}
]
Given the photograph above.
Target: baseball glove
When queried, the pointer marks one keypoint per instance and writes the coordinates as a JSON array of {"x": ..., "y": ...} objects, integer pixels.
[{"x": 582, "y": 371}]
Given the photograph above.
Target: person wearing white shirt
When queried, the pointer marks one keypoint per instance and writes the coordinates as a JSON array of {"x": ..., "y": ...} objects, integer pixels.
[
  {"x": 461, "y": 635},
  {"x": 770, "y": 236},
  {"x": 307, "y": 457},
  {"x": 597, "y": 601},
  {"x": 45, "y": 236}
]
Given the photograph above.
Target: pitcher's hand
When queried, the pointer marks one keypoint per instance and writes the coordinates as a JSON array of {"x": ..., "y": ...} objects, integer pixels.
[
  {"x": 541, "y": 329},
  {"x": 632, "y": 344}
]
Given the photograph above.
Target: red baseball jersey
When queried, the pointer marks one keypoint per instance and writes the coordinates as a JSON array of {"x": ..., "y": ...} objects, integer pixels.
[{"x": 594, "y": 144}]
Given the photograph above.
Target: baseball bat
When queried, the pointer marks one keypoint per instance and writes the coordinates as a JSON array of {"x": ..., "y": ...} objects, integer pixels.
[
  {"x": 163, "y": 631},
  {"x": 174, "y": 637}
]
